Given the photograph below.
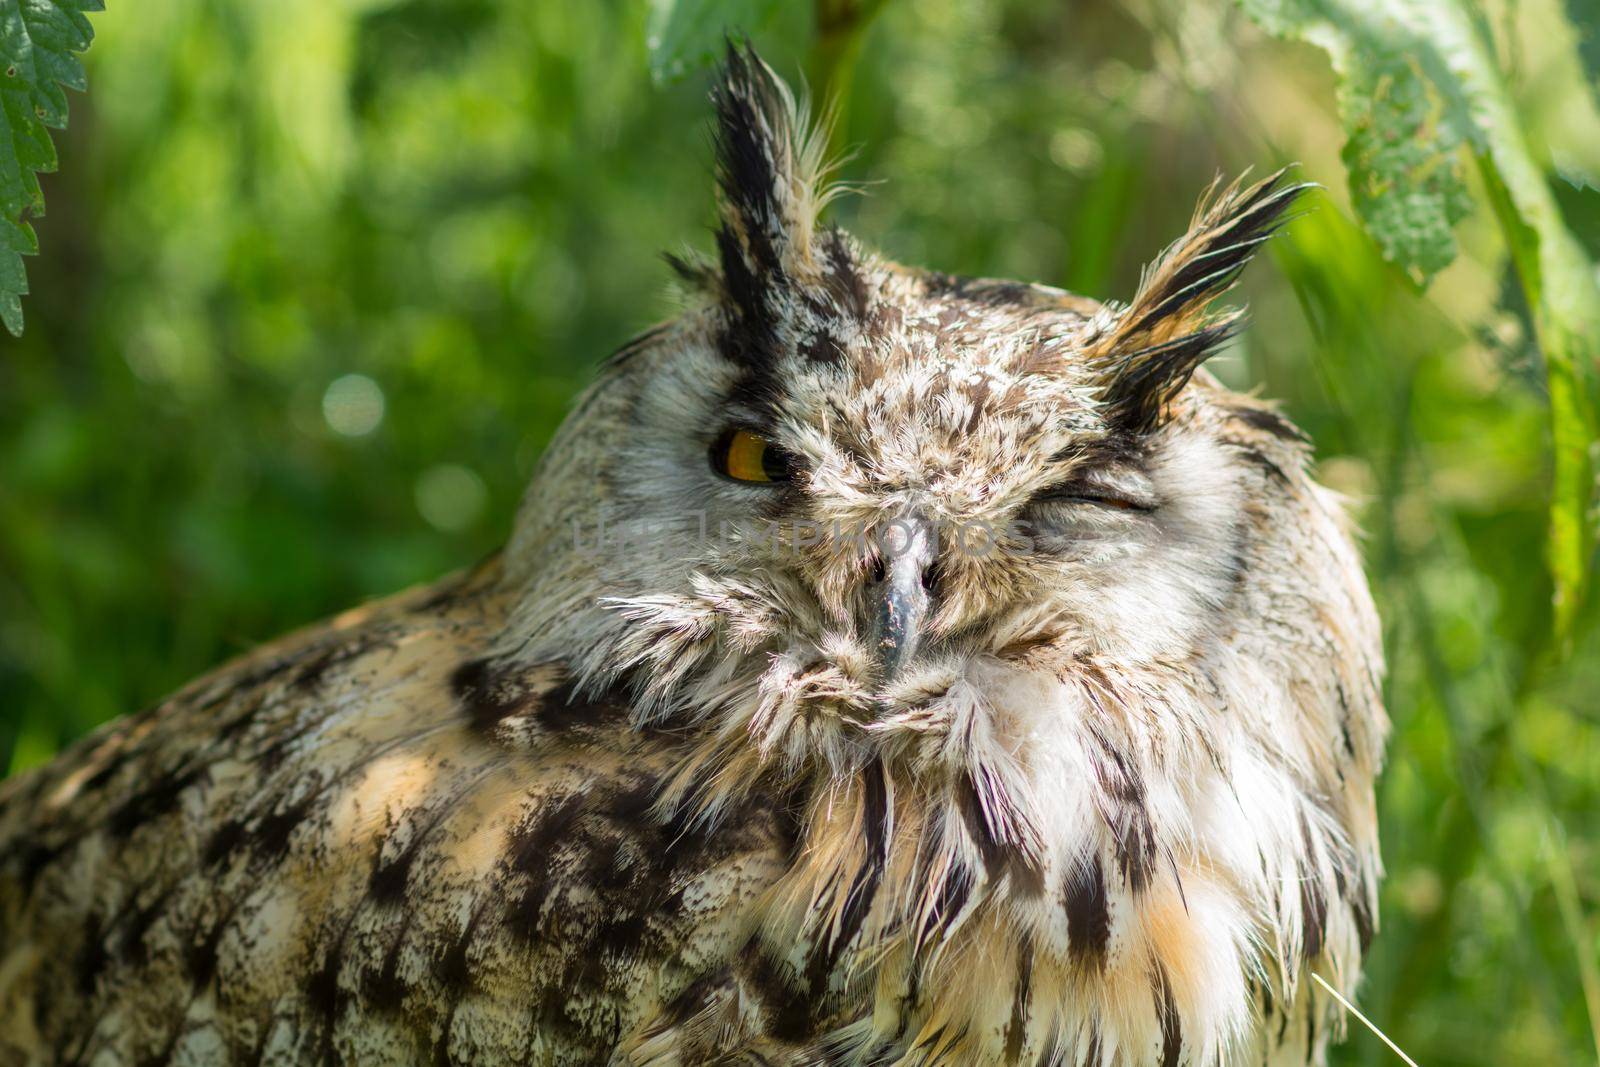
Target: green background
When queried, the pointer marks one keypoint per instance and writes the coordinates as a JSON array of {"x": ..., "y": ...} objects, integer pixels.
[{"x": 461, "y": 203}]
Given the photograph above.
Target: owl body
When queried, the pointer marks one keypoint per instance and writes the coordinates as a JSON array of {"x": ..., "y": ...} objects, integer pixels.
[{"x": 886, "y": 668}]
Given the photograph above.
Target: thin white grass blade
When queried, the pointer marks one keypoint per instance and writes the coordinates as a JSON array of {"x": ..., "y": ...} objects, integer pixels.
[{"x": 1368, "y": 1023}]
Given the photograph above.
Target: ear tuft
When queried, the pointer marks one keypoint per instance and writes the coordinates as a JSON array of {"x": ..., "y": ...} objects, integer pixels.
[
  {"x": 769, "y": 165},
  {"x": 1155, "y": 345}
]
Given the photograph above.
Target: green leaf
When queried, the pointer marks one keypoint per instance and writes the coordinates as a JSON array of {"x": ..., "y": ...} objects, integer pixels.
[
  {"x": 1417, "y": 80},
  {"x": 37, "y": 42},
  {"x": 1405, "y": 175},
  {"x": 686, "y": 34},
  {"x": 1561, "y": 290},
  {"x": 1404, "y": 122},
  {"x": 19, "y": 240}
]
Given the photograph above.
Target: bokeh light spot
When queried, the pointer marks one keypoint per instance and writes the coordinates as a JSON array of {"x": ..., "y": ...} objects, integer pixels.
[
  {"x": 353, "y": 405},
  {"x": 451, "y": 497}
]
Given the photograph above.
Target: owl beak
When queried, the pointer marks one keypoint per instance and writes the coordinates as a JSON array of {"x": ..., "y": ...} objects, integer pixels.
[{"x": 903, "y": 595}]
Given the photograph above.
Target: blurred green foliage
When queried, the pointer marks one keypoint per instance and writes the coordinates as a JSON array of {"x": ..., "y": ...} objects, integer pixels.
[{"x": 320, "y": 278}]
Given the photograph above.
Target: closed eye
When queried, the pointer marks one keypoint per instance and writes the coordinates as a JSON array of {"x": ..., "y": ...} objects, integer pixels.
[{"x": 1088, "y": 493}]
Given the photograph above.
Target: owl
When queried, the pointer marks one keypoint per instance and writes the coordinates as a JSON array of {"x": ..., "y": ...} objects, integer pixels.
[{"x": 886, "y": 667}]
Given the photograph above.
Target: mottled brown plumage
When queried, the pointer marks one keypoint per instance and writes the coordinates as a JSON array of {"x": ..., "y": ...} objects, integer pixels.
[{"x": 1018, "y": 703}]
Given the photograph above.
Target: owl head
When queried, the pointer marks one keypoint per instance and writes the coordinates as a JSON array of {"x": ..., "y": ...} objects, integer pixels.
[{"x": 844, "y": 509}]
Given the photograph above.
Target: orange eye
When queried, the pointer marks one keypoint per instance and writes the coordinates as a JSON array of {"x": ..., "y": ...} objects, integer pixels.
[{"x": 745, "y": 456}]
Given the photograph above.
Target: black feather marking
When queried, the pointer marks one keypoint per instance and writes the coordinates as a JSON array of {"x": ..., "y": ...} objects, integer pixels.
[
  {"x": 385, "y": 990},
  {"x": 34, "y": 858},
  {"x": 790, "y": 1012},
  {"x": 750, "y": 339},
  {"x": 754, "y": 144},
  {"x": 224, "y": 842},
  {"x": 92, "y": 956},
  {"x": 824, "y": 348},
  {"x": 864, "y": 887},
  {"x": 1017, "y": 1026},
  {"x": 1088, "y": 912},
  {"x": 693, "y": 271},
  {"x": 387, "y": 883},
  {"x": 993, "y": 851},
  {"x": 453, "y": 968},
  {"x": 1313, "y": 914},
  {"x": 1148, "y": 380},
  {"x": 565, "y": 708},
  {"x": 978, "y": 396},
  {"x": 269, "y": 839},
  {"x": 155, "y": 800},
  {"x": 623, "y": 934},
  {"x": 485, "y": 695},
  {"x": 953, "y": 893},
  {"x": 1361, "y": 912},
  {"x": 1000, "y": 855},
  {"x": 983, "y": 292},
  {"x": 1313, "y": 898},
  {"x": 529, "y": 849},
  {"x": 490, "y": 695},
  {"x": 1268, "y": 466},
  {"x": 1091, "y": 1053},
  {"x": 323, "y": 990},
  {"x": 112, "y": 765},
  {"x": 204, "y": 951},
  {"x": 1121, "y": 798},
  {"x": 1271, "y": 422},
  {"x": 1311, "y": 1029},
  {"x": 131, "y": 947},
  {"x": 312, "y": 674},
  {"x": 843, "y": 279},
  {"x": 1167, "y": 1016}
]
